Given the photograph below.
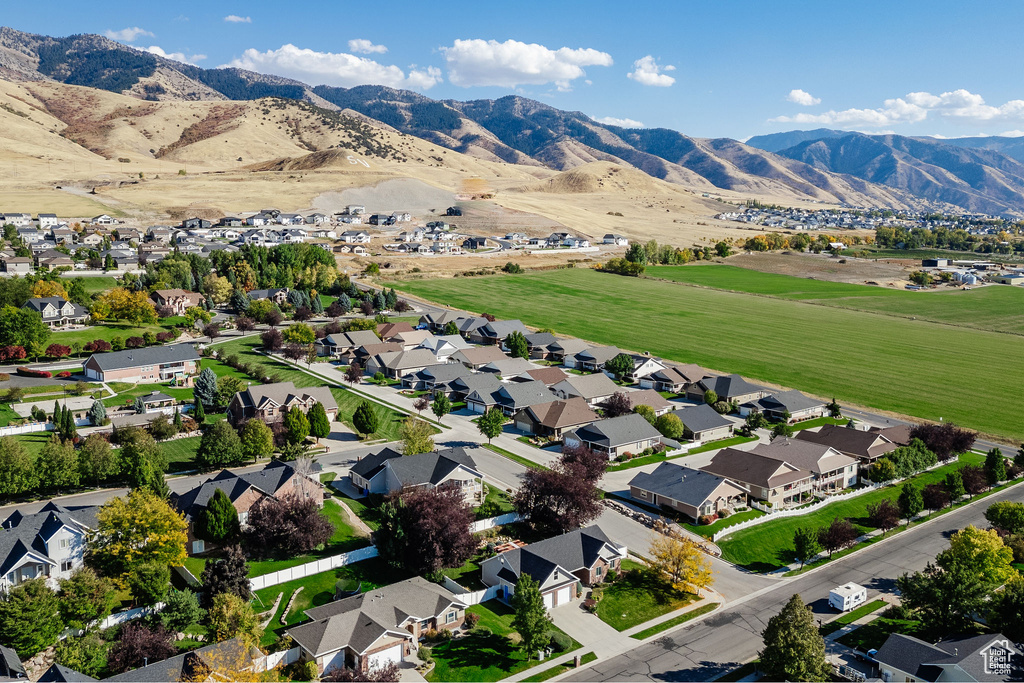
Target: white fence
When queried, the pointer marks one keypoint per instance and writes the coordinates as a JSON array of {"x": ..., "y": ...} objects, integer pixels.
[
  {"x": 284, "y": 658},
  {"x": 471, "y": 597},
  {"x": 26, "y": 428},
  {"x": 491, "y": 522},
  {"x": 303, "y": 570}
]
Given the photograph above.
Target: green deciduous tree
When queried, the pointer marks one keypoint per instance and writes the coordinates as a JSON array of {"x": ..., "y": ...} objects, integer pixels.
[
  {"x": 710, "y": 397},
  {"x": 233, "y": 617},
  {"x": 995, "y": 467},
  {"x": 218, "y": 522},
  {"x": 531, "y": 619},
  {"x": 319, "y": 423},
  {"x": 490, "y": 423},
  {"x": 417, "y": 436},
  {"x": 944, "y": 599},
  {"x": 140, "y": 527},
  {"x": 441, "y": 406},
  {"x": 793, "y": 648},
  {"x": 365, "y": 419},
  {"x": 1006, "y": 610},
  {"x": 981, "y": 551},
  {"x": 85, "y": 597},
  {"x": 86, "y": 654},
  {"x": 17, "y": 471},
  {"x": 517, "y": 345},
  {"x": 219, "y": 447},
  {"x": 882, "y": 470},
  {"x": 669, "y": 425},
  {"x": 620, "y": 365},
  {"x": 148, "y": 582},
  {"x": 647, "y": 412},
  {"x": 30, "y": 618},
  {"x": 1006, "y": 515},
  {"x": 57, "y": 465},
  {"x": 181, "y": 610},
  {"x": 299, "y": 333},
  {"x": 910, "y": 502},
  {"x": 955, "y": 486},
  {"x": 257, "y": 440},
  {"x": 805, "y": 544},
  {"x": 142, "y": 463}
]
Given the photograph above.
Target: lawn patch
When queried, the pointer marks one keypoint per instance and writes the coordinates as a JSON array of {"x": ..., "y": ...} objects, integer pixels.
[
  {"x": 496, "y": 497},
  {"x": 675, "y": 621},
  {"x": 710, "y": 446},
  {"x": 512, "y": 456},
  {"x": 871, "y": 636},
  {"x": 559, "y": 669},
  {"x": 637, "y": 597},
  {"x": 709, "y": 530},
  {"x": 852, "y": 616}
]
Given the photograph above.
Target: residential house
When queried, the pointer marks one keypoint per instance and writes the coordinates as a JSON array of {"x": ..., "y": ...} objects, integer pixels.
[
  {"x": 17, "y": 264},
  {"x": 468, "y": 326},
  {"x": 444, "y": 346},
  {"x": 435, "y": 378},
  {"x": 344, "y": 344},
  {"x": 360, "y": 250},
  {"x": 398, "y": 364},
  {"x": 203, "y": 664},
  {"x": 899, "y": 434},
  {"x": 729, "y": 388},
  {"x": 515, "y": 236},
  {"x": 290, "y": 219},
  {"x": 376, "y": 628},
  {"x": 506, "y": 368},
  {"x": 364, "y": 353},
  {"x": 617, "y": 240},
  {"x": 559, "y": 564},
  {"x": 401, "y": 216},
  {"x": 151, "y": 364},
  {"x": 355, "y": 237},
  {"x": 48, "y": 220},
  {"x": 494, "y": 333},
  {"x": 865, "y": 446},
  {"x": 550, "y": 376},
  {"x": 652, "y": 399},
  {"x": 414, "y": 235},
  {"x": 630, "y": 433},
  {"x": 474, "y": 243},
  {"x": 695, "y": 493},
  {"x": 31, "y": 235},
  {"x": 64, "y": 236},
  {"x": 278, "y": 296},
  {"x": 355, "y": 210},
  {"x": 325, "y": 233},
  {"x": 92, "y": 239},
  {"x": 317, "y": 218},
  {"x": 436, "y": 322},
  {"x": 643, "y": 365},
  {"x": 538, "y": 343},
  {"x": 591, "y": 359},
  {"x": 51, "y": 258},
  {"x": 58, "y": 312},
  {"x": 594, "y": 389},
  {"x": 386, "y": 330},
  {"x": 510, "y": 398},
  {"x": 387, "y": 471},
  {"x": 178, "y": 300},
  {"x": 269, "y": 402},
  {"x": 832, "y": 470},
  {"x": 773, "y": 481},
  {"x": 483, "y": 384},
  {"x": 276, "y": 480},
  {"x": 703, "y": 423},
  {"x": 786, "y": 406},
  {"x": 62, "y": 674},
  {"x": 230, "y": 222},
  {"x": 380, "y": 219},
  {"x": 992, "y": 657},
  {"x": 102, "y": 219},
  {"x": 574, "y": 242},
  {"x": 478, "y": 356},
  {"x": 553, "y": 418},
  {"x": 157, "y": 402},
  {"x": 410, "y": 339},
  {"x": 49, "y": 543}
]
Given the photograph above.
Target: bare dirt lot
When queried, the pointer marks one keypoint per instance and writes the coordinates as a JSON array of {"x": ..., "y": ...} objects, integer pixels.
[{"x": 822, "y": 267}]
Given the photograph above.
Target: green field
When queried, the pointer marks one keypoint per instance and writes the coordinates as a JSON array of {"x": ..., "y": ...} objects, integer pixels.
[
  {"x": 1000, "y": 309},
  {"x": 96, "y": 284},
  {"x": 886, "y": 362},
  {"x": 108, "y": 331}
]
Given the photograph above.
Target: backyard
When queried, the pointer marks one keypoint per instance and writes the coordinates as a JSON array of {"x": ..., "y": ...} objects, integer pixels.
[{"x": 718, "y": 329}]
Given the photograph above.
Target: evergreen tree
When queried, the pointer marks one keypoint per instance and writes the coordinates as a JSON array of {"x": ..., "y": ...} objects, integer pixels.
[
  {"x": 793, "y": 648},
  {"x": 995, "y": 467},
  {"x": 218, "y": 522},
  {"x": 391, "y": 299},
  {"x": 58, "y": 413},
  {"x": 85, "y": 597},
  {"x": 450, "y": 328},
  {"x": 227, "y": 575},
  {"x": 198, "y": 414},
  {"x": 181, "y": 610},
  {"x": 317, "y": 305},
  {"x": 178, "y": 425},
  {"x": 296, "y": 425},
  {"x": 97, "y": 413},
  {"x": 517, "y": 345},
  {"x": 345, "y": 302},
  {"x": 380, "y": 302},
  {"x": 319, "y": 424},
  {"x": 531, "y": 619},
  {"x": 205, "y": 389},
  {"x": 365, "y": 420}
]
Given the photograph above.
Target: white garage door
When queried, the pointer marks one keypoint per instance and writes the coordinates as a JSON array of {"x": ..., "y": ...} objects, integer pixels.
[
  {"x": 548, "y": 598},
  {"x": 335, "y": 662},
  {"x": 563, "y": 596},
  {"x": 384, "y": 657}
]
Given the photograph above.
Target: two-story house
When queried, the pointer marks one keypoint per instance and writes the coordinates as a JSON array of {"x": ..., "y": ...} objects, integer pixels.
[
  {"x": 151, "y": 364},
  {"x": 177, "y": 299},
  {"x": 57, "y": 312},
  {"x": 49, "y": 543},
  {"x": 387, "y": 471},
  {"x": 269, "y": 402}
]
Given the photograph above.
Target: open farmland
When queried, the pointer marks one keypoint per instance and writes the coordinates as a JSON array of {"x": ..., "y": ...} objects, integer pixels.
[
  {"x": 998, "y": 308},
  {"x": 912, "y": 367}
]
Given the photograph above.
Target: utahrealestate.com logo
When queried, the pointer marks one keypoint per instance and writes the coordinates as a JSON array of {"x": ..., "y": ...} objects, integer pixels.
[{"x": 997, "y": 658}]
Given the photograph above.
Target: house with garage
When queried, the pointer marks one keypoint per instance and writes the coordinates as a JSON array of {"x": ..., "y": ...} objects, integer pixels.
[
  {"x": 991, "y": 657},
  {"x": 563, "y": 350},
  {"x": 468, "y": 326},
  {"x": 561, "y": 565},
  {"x": 695, "y": 493},
  {"x": 475, "y": 383},
  {"x": 554, "y": 418},
  {"x": 410, "y": 339},
  {"x": 507, "y": 368},
  {"x": 434, "y": 378},
  {"x": 899, "y": 434},
  {"x": 832, "y": 471},
  {"x": 630, "y": 433},
  {"x": 276, "y": 480},
  {"x": 344, "y": 344},
  {"x": 57, "y": 312},
  {"x": 444, "y": 346},
  {"x": 17, "y": 264},
  {"x": 492, "y": 333},
  {"x": 355, "y": 237},
  {"x": 178, "y": 300},
  {"x": 49, "y": 544},
  {"x": 703, "y": 423},
  {"x": 278, "y": 295},
  {"x": 398, "y": 364},
  {"x": 673, "y": 378},
  {"x": 388, "y": 330},
  {"x": 643, "y": 365},
  {"x": 269, "y": 402},
  {"x": 865, "y": 446},
  {"x": 147, "y": 365},
  {"x": 510, "y": 398},
  {"x": 652, "y": 399},
  {"x": 376, "y": 628},
  {"x": 388, "y": 471},
  {"x": 550, "y": 376},
  {"x": 538, "y": 345},
  {"x": 786, "y": 406},
  {"x": 773, "y": 481},
  {"x": 478, "y": 356},
  {"x": 616, "y": 240},
  {"x": 594, "y": 389},
  {"x": 436, "y": 322},
  {"x": 592, "y": 359},
  {"x": 729, "y": 388},
  {"x": 364, "y": 353}
]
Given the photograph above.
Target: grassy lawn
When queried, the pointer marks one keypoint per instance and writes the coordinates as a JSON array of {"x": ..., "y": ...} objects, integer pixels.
[
  {"x": 710, "y": 446},
  {"x": 389, "y": 421},
  {"x": 637, "y": 597},
  {"x": 547, "y": 674},
  {"x": 853, "y": 616},
  {"x": 222, "y": 370},
  {"x": 180, "y": 453},
  {"x": 872, "y": 635},
  {"x": 108, "y": 331},
  {"x": 33, "y": 442},
  {"x": 468, "y": 575},
  {"x": 819, "y": 422},
  {"x": 709, "y": 530},
  {"x": 675, "y": 621},
  {"x": 483, "y": 657},
  {"x": 497, "y": 497},
  {"x": 512, "y": 456},
  {"x": 93, "y": 285},
  {"x": 128, "y": 396},
  {"x": 768, "y": 546},
  {"x": 243, "y": 347},
  {"x": 368, "y": 514},
  {"x": 715, "y": 328}
]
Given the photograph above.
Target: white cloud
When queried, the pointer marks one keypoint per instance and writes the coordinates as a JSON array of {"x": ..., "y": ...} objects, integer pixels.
[
  {"x": 176, "y": 56},
  {"x": 366, "y": 47},
  {"x": 512, "y": 63},
  {"x": 622, "y": 123},
  {"x": 803, "y": 98},
  {"x": 334, "y": 68},
  {"x": 646, "y": 71},
  {"x": 916, "y": 107},
  {"x": 235, "y": 19},
  {"x": 127, "y": 35},
  {"x": 1012, "y": 134}
]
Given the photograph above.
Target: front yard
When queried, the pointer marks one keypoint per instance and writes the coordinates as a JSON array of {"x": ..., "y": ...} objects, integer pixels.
[
  {"x": 660, "y": 457},
  {"x": 483, "y": 656},
  {"x": 638, "y": 596}
]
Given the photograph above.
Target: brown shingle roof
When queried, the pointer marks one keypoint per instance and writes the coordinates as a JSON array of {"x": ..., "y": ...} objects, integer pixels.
[
  {"x": 751, "y": 468},
  {"x": 869, "y": 445},
  {"x": 561, "y": 414},
  {"x": 549, "y": 376}
]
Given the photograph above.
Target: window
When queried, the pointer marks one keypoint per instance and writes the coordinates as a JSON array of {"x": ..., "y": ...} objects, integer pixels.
[
  {"x": 65, "y": 543},
  {"x": 597, "y": 571},
  {"x": 450, "y": 617},
  {"x": 65, "y": 566}
]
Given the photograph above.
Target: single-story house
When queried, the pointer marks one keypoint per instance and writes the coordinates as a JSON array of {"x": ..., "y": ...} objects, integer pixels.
[
  {"x": 832, "y": 470},
  {"x": 17, "y": 264},
  {"x": 276, "y": 480},
  {"x": 692, "y": 492},
  {"x": 364, "y": 353},
  {"x": 411, "y": 339},
  {"x": 728, "y": 387},
  {"x": 591, "y": 359},
  {"x": 506, "y": 368},
  {"x": 674, "y": 378},
  {"x": 436, "y": 322},
  {"x": 269, "y": 402},
  {"x": 551, "y": 419},
  {"x": 510, "y": 398},
  {"x": 496, "y": 331},
  {"x": 377, "y": 627},
  {"x": 538, "y": 345},
  {"x": 617, "y": 240},
  {"x": 550, "y": 376},
  {"x": 478, "y": 356},
  {"x": 594, "y": 389},
  {"x": 151, "y": 364},
  {"x": 774, "y": 481},
  {"x": 398, "y": 364},
  {"x": 651, "y": 398},
  {"x": 444, "y": 346},
  {"x": 559, "y": 564},
  {"x": 468, "y": 326},
  {"x": 704, "y": 423},
  {"x": 49, "y": 543},
  {"x": 435, "y": 377},
  {"x": 484, "y": 384},
  {"x": 865, "y": 446},
  {"x": 992, "y": 657},
  {"x": 387, "y": 471},
  {"x": 899, "y": 434},
  {"x": 791, "y": 406},
  {"x": 344, "y": 344},
  {"x": 57, "y": 312},
  {"x": 388, "y": 330},
  {"x": 630, "y": 433},
  {"x": 564, "y": 350}
]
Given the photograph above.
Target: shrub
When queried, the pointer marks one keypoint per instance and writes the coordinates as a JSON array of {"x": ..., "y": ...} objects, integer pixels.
[
  {"x": 481, "y": 631},
  {"x": 472, "y": 618},
  {"x": 707, "y": 519},
  {"x": 29, "y": 372},
  {"x": 611, "y": 577},
  {"x": 135, "y": 342},
  {"x": 425, "y": 655},
  {"x": 64, "y": 374},
  {"x": 4, "y": 377},
  {"x": 559, "y": 641},
  {"x": 722, "y": 514}
]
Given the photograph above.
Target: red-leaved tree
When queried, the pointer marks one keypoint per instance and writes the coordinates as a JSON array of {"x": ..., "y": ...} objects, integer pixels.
[
  {"x": 58, "y": 351},
  {"x": 935, "y": 496},
  {"x": 944, "y": 440},
  {"x": 560, "y": 499},
  {"x": 287, "y": 526},
  {"x": 427, "y": 529},
  {"x": 272, "y": 340},
  {"x": 839, "y": 534},
  {"x": 138, "y": 644}
]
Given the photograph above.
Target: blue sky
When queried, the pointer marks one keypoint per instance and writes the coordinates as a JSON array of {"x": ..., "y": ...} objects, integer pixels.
[{"x": 709, "y": 69}]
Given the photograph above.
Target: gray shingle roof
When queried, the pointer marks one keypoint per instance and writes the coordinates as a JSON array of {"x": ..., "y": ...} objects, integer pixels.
[
  {"x": 589, "y": 387},
  {"x": 22, "y": 533},
  {"x": 415, "y": 470},
  {"x": 281, "y": 393},
  {"x": 571, "y": 551},
  {"x": 955, "y": 658},
  {"x": 10, "y": 665},
  {"x": 598, "y": 354},
  {"x": 151, "y": 355},
  {"x": 701, "y": 418},
  {"x": 38, "y": 304},
  {"x": 479, "y": 355},
  {"x": 806, "y": 455},
  {"x": 681, "y": 483},
  {"x": 617, "y": 431},
  {"x": 440, "y": 373},
  {"x": 792, "y": 400},
  {"x": 751, "y": 468},
  {"x": 850, "y": 441},
  {"x": 269, "y": 480},
  {"x": 727, "y": 386},
  {"x": 499, "y": 329},
  {"x": 61, "y": 674},
  {"x": 522, "y": 394}
]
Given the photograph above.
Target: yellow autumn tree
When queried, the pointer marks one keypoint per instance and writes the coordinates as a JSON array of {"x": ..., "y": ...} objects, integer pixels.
[
  {"x": 140, "y": 527},
  {"x": 46, "y": 288},
  {"x": 682, "y": 561},
  {"x": 218, "y": 287},
  {"x": 122, "y": 304}
]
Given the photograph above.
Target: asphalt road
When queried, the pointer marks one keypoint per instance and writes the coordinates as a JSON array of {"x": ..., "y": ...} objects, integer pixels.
[{"x": 732, "y": 636}]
